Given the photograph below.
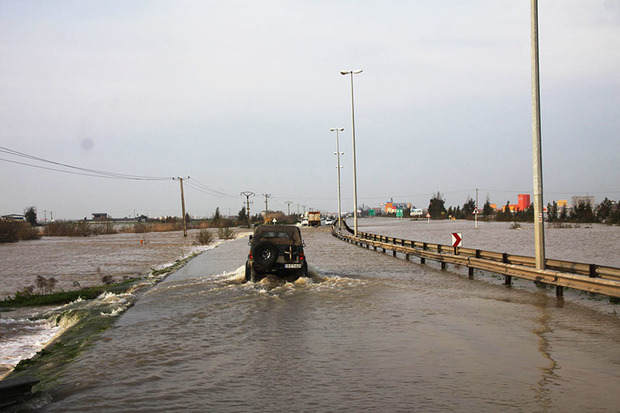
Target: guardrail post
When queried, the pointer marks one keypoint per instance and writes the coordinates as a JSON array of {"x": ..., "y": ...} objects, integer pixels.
[
  {"x": 471, "y": 273},
  {"x": 592, "y": 270},
  {"x": 407, "y": 257},
  {"x": 559, "y": 291},
  {"x": 505, "y": 258},
  {"x": 508, "y": 280},
  {"x": 424, "y": 248}
]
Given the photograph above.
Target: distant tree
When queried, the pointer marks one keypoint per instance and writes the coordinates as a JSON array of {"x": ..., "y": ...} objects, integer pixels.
[
  {"x": 563, "y": 215},
  {"x": 51, "y": 284},
  {"x": 505, "y": 214},
  {"x": 582, "y": 212},
  {"x": 217, "y": 216},
  {"x": 614, "y": 215},
  {"x": 242, "y": 217},
  {"x": 604, "y": 210},
  {"x": 437, "y": 207},
  {"x": 552, "y": 212},
  {"x": 487, "y": 210},
  {"x": 468, "y": 207},
  {"x": 41, "y": 283},
  {"x": 458, "y": 213},
  {"x": 528, "y": 214},
  {"x": 31, "y": 215}
]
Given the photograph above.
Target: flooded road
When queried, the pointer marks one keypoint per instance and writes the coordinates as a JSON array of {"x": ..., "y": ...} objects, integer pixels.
[
  {"x": 366, "y": 332},
  {"x": 83, "y": 261}
]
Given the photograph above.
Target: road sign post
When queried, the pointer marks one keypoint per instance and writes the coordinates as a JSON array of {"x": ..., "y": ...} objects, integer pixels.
[{"x": 476, "y": 212}]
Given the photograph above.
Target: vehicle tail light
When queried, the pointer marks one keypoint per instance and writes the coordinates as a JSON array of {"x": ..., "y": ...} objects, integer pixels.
[{"x": 301, "y": 256}]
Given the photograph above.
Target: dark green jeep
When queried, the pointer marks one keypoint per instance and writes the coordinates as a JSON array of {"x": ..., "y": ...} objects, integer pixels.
[{"x": 276, "y": 250}]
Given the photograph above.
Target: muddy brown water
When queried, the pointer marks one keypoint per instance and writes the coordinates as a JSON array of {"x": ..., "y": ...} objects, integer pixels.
[{"x": 366, "y": 332}]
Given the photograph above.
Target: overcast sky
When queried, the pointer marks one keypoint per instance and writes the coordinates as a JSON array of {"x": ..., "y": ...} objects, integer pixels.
[{"x": 241, "y": 96}]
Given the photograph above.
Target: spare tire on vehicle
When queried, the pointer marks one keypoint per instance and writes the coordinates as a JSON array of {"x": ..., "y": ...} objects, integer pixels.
[{"x": 265, "y": 255}]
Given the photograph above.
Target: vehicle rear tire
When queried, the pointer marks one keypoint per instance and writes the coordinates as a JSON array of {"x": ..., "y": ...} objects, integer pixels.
[
  {"x": 248, "y": 272},
  {"x": 265, "y": 255}
]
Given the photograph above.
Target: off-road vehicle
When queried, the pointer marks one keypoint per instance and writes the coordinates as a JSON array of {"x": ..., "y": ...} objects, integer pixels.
[{"x": 276, "y": 250}]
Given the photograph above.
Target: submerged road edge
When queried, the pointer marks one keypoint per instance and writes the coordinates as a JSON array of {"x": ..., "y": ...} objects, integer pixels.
[{"x": 83, "y": 322}]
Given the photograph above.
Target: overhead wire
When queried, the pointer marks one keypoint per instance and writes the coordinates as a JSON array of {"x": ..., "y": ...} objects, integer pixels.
[
  {"x": 199, "y": 184},
  {"x": 84, "y": 171}
]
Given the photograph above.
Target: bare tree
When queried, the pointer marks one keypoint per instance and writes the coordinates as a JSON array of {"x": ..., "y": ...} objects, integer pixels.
[{"x": 41, "y": 283}]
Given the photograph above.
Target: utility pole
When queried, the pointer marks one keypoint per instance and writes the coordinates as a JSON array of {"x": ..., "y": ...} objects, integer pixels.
[
  {"x": 477, "y": 210},
  {"x": 247, "y": 195},
  {"x": 183, "y": 206},
  {"x": 539, "y": 229},
  {"x": 288, "y": 204},
  {"x": 267, "y": 196}
]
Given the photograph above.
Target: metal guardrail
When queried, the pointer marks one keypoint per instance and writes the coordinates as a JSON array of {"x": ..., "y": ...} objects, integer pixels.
[{"x": 586, "y": 277}]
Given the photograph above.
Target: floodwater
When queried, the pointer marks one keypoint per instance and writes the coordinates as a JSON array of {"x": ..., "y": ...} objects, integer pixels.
[
  {"x": 84, "y": 261},
  {"x": 366, "y": 332}
]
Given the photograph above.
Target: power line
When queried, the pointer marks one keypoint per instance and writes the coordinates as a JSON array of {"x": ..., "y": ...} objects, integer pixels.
[
  {"x": 214, "y": 191},
  {"x": 85, "y": 171}
]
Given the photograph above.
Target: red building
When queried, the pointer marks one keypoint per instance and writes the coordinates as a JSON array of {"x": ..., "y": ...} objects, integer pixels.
[{"x": 524, "y": 202}]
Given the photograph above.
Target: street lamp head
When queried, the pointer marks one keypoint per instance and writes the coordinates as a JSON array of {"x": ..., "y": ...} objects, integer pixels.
[
  {"x": 347, "y": 72},
  {"x": 336, "y": 129}
]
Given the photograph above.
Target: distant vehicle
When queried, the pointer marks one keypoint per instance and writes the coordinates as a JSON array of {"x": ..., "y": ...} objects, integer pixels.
[
  {"x": 276, "y": 250},
  {"x": 304, "y": 222},
  {"x": 314, "y": 218},
  {"x": 329, "y": 221}
]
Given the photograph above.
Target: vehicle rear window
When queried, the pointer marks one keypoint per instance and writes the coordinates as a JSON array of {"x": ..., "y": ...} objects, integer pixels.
[
  {"x": 279, "y": 235},
  {"x": 274, "y": 234}
]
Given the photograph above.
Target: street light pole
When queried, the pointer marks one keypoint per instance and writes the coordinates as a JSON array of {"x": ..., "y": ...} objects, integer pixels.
[
  {"x": 353, "y": 72},
  {"x": 539, "y": 229},
  {"x": 338, "y": 153}
]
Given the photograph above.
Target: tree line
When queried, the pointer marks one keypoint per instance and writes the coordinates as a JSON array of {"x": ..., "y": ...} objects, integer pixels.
[{"x": 607, "y": 212}]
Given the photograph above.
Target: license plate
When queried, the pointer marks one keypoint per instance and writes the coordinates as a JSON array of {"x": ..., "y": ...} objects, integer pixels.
[{"x": 292, "y": 265}]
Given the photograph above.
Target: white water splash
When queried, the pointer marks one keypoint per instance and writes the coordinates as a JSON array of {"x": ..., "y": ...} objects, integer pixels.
[{"x": 21, "y": 339}]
